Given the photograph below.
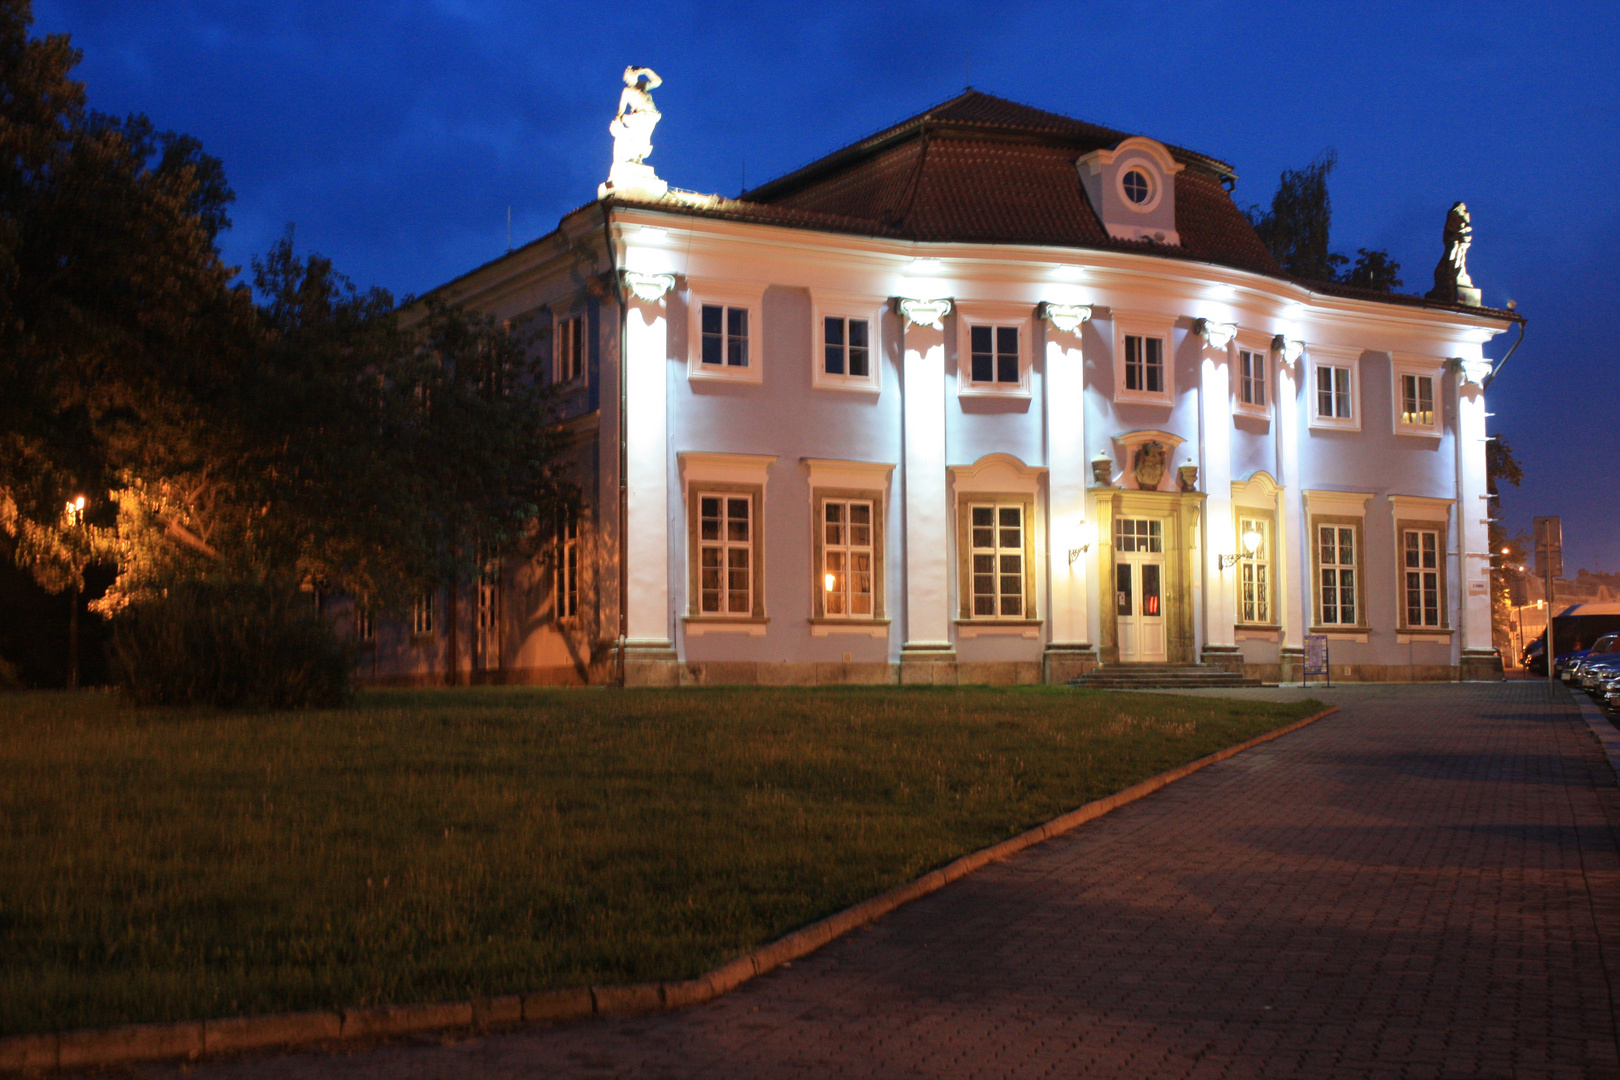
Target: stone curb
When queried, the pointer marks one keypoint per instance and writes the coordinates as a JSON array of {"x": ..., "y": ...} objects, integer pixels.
[
  {"x": 1607, "y": 736},
  {"x": 100, "y": 1047}
]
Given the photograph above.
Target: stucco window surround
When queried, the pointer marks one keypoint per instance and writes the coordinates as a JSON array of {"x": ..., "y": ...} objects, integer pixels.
[
  {"x": 1338, "y": 511},
  {"x": 844, "y": 484},
  {"x": 1001, "y": 485},
  {"x": 1419, "y": 518},
  {"x": 1253, "y": 376},
  {"x": 727, "y": 478},
  {"x": 1415, "y": 394},
  {"x": 994, "y": 321},
  {"x": 1134, "y": 357},
  {"x": 1259, "y": 592},
  {"x": 853, "y": 315},
  {"x": 712, "y": 322},
  {"x": 1333, "y": 387}
]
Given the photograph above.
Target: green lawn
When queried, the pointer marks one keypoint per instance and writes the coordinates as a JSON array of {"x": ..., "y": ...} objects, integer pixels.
[{"x": 429, "y": 845}]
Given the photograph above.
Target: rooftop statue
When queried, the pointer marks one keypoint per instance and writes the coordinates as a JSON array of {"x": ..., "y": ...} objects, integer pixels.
[
  {"x": 1451, "y": 281},
  {"x": 632, "y": 129}
]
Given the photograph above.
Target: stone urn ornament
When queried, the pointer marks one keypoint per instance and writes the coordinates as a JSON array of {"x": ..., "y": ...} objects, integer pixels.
[
  {"x": 1102, "y": 470},
  {"x": 1149, "y": 464},
  {"x": 1187, "y": 476}
]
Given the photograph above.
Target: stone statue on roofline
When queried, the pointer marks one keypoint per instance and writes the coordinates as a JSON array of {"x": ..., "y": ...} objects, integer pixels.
[
  {"x": 632, "y": 129},
  {"x": 1452, "y": 285}
]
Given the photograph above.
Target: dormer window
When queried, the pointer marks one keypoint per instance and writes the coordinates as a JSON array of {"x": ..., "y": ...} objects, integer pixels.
[{"x": 1131, "y": 186}]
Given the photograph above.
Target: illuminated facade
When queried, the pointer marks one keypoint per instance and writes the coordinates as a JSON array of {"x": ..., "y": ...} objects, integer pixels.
[{"x": 991, "y": 396}]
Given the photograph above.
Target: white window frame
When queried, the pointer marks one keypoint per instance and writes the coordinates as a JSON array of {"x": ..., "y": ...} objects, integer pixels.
[
  {"x": 1320, "y": 533},
  {"x": 565, "y": 592},
  {"x": 570, "y": 335},
  {"x": 1137, "y": 324},
  {"x": 1339, "y": 359},
  {"x": 1417, "y": 513},
  {"x": 999, "y": 480},
  {"x": 839, "y": 551},
  {"x": 833, "y": 480},
  {"x": 1257, "y": 568},
  {"x": 1436, "y": 572},
  {"x": 423, "y": 612},
  {"x": 1020, "y": 317},
  {"x": 1404, "y": 367},
  {"x": 998, "y": 553},
  {"x": 1261, "y": 349},
  {"x": 726, "y": 295},
  {"x": 727, "y": 504},
  {"x": 837, "y": 306}
]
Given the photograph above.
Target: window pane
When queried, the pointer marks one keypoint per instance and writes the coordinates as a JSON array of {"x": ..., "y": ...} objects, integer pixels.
[
  {"x": 983, "y": 354},
  {"x": 1154, "y": 356},
  {"x": 1133, "y": 362},
  {"x": 1150, "y": 589},
  {"x": 712, "y": 318},
  {"x": 1122, "y": 589},
  {"x": 1007, "y": 354},
  {"x": 714, "y": 341},
  {"x": 1324, "y": 391}
]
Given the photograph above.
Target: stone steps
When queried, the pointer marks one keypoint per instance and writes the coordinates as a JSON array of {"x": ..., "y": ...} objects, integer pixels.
[{"x": 1160, "y": 677}]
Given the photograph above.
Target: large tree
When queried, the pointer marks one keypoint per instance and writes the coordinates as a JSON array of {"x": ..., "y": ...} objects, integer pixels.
[{"x": 1297, "y": 229}]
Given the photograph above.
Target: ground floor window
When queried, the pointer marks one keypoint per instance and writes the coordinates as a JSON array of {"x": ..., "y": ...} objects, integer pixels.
[
  {"x": 847, "y": 558},
  {"x": 996, "y": 553},
  {"x": 1421, "y": 561},
  {"x": 725, "y": 554},
  {"x": 423, "y": 614},
  {"x": 1254, "y": 571},
  {"x": 567, "y": 572},
  {"x": 1336, "y": 570}
]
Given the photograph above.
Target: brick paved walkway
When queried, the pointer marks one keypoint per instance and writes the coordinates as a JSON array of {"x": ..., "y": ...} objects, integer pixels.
[{"x": 1423, "y": 885}]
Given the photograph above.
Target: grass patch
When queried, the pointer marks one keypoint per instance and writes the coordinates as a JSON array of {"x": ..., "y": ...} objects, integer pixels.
[{"x": 428, "y": 845}]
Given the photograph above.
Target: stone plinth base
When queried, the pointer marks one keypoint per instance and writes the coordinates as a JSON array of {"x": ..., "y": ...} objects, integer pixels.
[
  {"x": 650, "y": 663},
  {"x": 1291, "y": 665},
  {"x": 632, "y": 181},
  {"x": 1225, "y": 657},
  {"x": 927, "y": 664},
  {"x": 1456, "y": 294},
  {"x": 1063, "y": 661},
  {"x": 1480, "y": 665}
]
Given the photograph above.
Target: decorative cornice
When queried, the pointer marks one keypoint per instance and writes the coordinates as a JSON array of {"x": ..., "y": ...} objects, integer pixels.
[
  {"x": 923, "y": 312},
  {"x": 648, "y": 288},
  {"x": 1065, "y": 317},
  {"x": 1216, "y": 335}
]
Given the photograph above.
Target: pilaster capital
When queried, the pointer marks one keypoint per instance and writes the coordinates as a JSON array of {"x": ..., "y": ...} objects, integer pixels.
[
  {"x": 1471, "y": 372},
  {"x": 648, "y": 288},
  {"x": 923, "y": 312},
  {"x": 1287, "y": 350},
  {"x": 1216, "y": 335},
  {"x": 1065, "y": 317}
]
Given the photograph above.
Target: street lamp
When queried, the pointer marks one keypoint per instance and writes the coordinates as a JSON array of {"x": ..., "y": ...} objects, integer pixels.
[
  {"x": 1251, "y": 544},
  {"x": 75, "y": 518}
]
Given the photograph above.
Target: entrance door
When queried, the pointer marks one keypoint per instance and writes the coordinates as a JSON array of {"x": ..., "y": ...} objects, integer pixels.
[{"x": 1139, "y": 589}]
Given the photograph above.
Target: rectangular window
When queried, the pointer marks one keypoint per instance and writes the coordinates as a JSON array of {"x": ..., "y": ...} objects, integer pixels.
[
  {"x": 570, "y": 349},
  {"x": 1252, "y": 378},
  {"x": 1144, "y": 364},
  {"x": 846, "y": 347},
  {"x": 996, "y": 554},
  {"x": 365, "y": 625},
  {"x": 1421, "y": 551},
  {"x": 725, "y": 554},
  {"x": 995, "y": 354},
  {"x": 1333, "y": 393},
  {"x": 847, "y": 558},
  {"x": 1417, "y": 400},
  {"x": 422, "y": 612},
  {"x": 1254, "y": 571},
  {"x": 725, "y": 336},
  {"x": 1337, "y": 568},
  {"x": 567, "y": 588}
]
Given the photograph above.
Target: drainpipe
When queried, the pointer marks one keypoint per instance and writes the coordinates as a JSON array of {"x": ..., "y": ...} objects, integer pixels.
[
  {"x": 624, "y": 448},
  {"x": 1502, "y": 363}
]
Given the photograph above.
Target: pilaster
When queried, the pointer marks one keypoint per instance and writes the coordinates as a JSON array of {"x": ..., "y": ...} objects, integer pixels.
[
  {"x": 1215, "y": 456},
  {"x": 649, "y": 650},
  {"x": 927, "y": 645},
  {"x": 1476, "y": 659},
  {"x": 1292, "y": 547},
  {"x": 1069, "y": 652}
]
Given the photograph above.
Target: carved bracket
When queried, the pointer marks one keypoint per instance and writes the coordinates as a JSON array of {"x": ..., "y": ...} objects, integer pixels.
[
  {"x": 1471, "y": 372},
  {"x": 923, "y": 312},
  {"x": 648, "y": 288},
  {"x": 1216, "y": 335},
  {"x": 1288, "y": 351},
  {"x": 1065, "y": 317}
]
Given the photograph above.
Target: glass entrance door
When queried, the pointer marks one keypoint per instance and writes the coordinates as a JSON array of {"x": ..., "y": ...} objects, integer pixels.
[{"x": 1139, "y": 589}]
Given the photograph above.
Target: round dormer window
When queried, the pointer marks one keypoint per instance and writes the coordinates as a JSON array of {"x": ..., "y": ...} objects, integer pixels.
[{"x": 1137, "y": 186}]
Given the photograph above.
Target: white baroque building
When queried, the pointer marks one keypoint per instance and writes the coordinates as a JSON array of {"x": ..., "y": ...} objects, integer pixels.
[{"x": 993, "y": 395}]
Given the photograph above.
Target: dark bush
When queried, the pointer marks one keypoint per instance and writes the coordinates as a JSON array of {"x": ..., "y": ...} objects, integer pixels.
[{"x": 231, "y": 642}]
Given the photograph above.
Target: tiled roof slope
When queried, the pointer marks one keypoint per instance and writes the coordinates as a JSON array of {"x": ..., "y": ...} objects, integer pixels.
[{"x": 981, "y": 169}]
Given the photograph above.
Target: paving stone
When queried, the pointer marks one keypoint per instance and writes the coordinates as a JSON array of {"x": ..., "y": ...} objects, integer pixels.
[{"x": 1419, "y": 886}]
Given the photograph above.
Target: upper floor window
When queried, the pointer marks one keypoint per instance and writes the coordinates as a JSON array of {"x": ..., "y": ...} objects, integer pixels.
[
  {"x": 1252, "y": 378},
  {"x": 725, "y": 332},
  {"x": 1417, "y": 409},
  {"x": 994, "y": 348},
  {"x": 1335, "y": 389},
  {"x": 846, "y": 347},
  {"x": 995, "y": 354},
  {"x": 569, "y": 350},
  {"x": 1142, "y": 369}
]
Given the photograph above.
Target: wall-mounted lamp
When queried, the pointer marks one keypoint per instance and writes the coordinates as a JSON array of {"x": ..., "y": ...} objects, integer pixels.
[
  {"x": 75, "y": 511},
  {"x": 1082, "y": 537},
  {"x": 1251, "y": 544},
  {"x": 829, "y": 582}
]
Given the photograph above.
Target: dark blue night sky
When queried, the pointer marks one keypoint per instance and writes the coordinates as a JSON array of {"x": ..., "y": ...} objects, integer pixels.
[{"x": 395, "y": 136}]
